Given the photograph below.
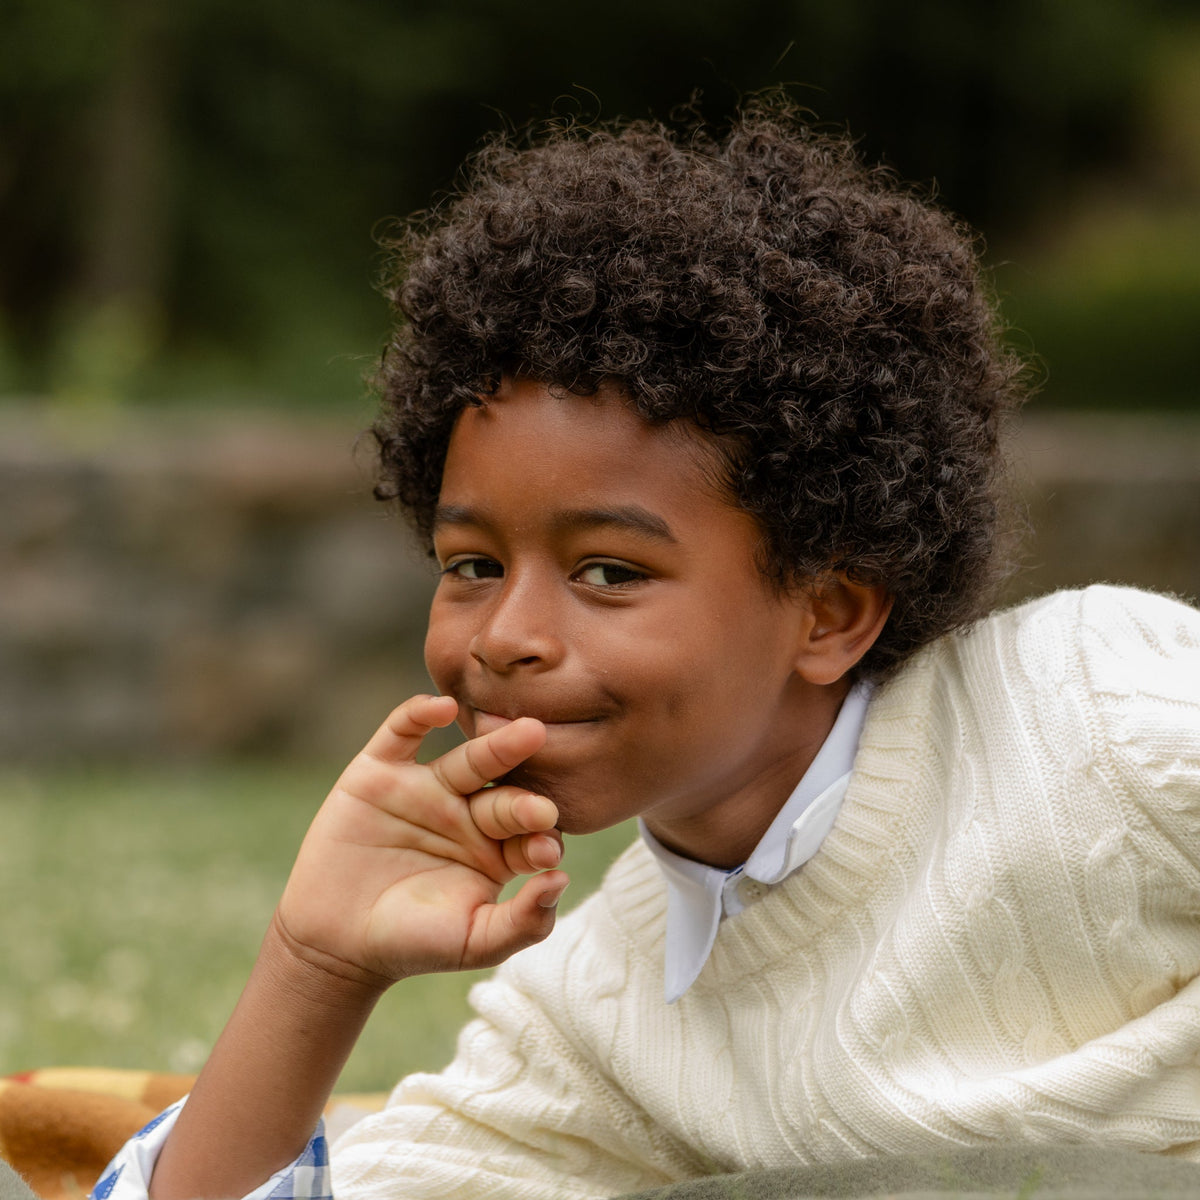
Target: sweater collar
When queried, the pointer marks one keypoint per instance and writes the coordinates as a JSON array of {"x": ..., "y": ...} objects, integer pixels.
[{"x": 699, "y": 897}]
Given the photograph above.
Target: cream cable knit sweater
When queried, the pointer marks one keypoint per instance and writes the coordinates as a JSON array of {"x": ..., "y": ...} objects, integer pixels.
[{"x": 998, "y": 941}]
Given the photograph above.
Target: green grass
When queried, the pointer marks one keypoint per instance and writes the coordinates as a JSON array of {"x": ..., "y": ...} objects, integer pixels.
[{"x": 132, "y": 903}]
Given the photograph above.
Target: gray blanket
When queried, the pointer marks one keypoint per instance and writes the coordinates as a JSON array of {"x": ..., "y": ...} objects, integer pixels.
[
  {"x": 1019, "y": 1172},
  {"x": 12, "y": 1186}
]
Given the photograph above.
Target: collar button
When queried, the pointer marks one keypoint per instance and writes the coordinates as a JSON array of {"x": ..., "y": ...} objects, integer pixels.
[{"x": 749, "y": 890}]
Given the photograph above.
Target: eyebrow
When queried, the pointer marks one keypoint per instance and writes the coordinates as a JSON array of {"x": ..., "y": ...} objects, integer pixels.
[{"x": 632, "y": 518}]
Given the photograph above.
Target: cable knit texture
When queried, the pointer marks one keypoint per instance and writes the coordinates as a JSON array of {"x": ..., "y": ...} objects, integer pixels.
[{"x": 997, "y": 942}]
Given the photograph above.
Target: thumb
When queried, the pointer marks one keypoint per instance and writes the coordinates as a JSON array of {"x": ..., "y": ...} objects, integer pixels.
[{"x": 525, "y": 919}]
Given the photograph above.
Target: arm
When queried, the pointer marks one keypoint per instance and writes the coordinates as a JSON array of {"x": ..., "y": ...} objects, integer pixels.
[{"x": 399, "y": 875}]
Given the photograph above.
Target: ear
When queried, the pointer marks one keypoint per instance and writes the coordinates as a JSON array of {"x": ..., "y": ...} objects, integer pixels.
[{"x": 843, "y": 620}]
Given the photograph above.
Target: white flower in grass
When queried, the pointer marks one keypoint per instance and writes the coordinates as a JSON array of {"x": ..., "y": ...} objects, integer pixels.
[
  {"x": 113, "y": 1013},
  {"x": 126, "y": 969},
  {"x": 67, "y": 999}
]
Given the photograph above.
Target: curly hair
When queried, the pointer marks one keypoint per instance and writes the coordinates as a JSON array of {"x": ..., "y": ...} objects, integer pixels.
[{"x": 829, "y": 327}]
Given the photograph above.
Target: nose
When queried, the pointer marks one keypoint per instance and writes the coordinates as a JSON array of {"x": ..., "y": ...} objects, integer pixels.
[{"x": 519, "y": 628}]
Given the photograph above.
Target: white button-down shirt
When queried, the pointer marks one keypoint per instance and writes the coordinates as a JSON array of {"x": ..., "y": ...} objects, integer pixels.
[{"x": 700, "y": 896}]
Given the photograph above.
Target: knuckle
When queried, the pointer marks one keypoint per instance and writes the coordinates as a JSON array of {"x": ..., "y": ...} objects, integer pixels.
[
  {"x": 498, "y": 810},
  {"x": 471, "y": 756}
]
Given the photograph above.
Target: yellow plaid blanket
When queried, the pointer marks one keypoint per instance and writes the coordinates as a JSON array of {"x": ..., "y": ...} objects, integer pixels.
[{"x": 60, "y": 1126}]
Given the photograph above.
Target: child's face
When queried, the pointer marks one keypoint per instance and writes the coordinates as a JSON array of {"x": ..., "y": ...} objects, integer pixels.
[{"x": 595, "y": 578}]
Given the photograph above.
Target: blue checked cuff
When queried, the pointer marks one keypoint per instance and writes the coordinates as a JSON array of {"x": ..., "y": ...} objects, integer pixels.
[{"x": 127, "y": 1177}]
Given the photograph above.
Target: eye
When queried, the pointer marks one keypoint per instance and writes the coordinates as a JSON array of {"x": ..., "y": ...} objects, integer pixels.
[
  {"x": 474, "y": 568},
  {"x": 609, "y": 575}
]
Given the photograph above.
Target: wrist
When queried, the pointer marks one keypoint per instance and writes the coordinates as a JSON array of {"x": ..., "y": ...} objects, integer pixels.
[{"x": 319, "y": 978}]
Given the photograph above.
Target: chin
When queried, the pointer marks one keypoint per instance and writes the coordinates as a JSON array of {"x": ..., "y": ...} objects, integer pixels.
[
  {"x": 577, "y": 814},
  {"x": 576, "y": 824}
]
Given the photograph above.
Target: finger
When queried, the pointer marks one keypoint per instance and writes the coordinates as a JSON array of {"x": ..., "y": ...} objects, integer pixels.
[
  {"x": 533, "y": 852},
  {"x": 466, "y": 768},
  {"x": 399, "y": 738},
  {"x": 500, "y": 930},
  {"x": 503, "y": 812}
]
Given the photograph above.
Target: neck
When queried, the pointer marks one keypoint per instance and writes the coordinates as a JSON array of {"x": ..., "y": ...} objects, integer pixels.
[{"x": 724, "y": 834}]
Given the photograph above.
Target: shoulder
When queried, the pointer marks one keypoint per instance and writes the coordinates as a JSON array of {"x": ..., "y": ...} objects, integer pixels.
[
  {"x": 1128, "y": 660},
  {"x": 1101, "y": 685},
  {"x": 1113, "y": 622},
  {"x": 1123, "y": 651},
  {"x": 1139, "y": 655},
  {"x": 1086, "y": 646},
  {"x": 1108, "y": 679},
  {"x": 1101, "y": 640}
]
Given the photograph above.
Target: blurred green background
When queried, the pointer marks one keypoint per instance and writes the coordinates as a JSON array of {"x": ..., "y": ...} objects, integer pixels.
[
  {"x": 188, "y": 198},
  {"x": 188, "y": 190}
]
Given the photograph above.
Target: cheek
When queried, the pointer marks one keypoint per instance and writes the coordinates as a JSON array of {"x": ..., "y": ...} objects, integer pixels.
[
  {"x": 720, "y": 693},
  {"x": 443, "y": 649},
  {"x": 705, "y": 661},
  {"x": 684, "y": 697}
]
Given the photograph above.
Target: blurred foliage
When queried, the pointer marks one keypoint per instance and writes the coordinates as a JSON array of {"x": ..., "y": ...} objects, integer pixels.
[
  {"x": 188, "y": 190},
  {"x": 1113, "y": 312}
]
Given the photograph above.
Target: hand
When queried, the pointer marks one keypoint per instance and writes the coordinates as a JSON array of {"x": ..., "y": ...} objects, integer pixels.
[{"x": 400, "y": 871}]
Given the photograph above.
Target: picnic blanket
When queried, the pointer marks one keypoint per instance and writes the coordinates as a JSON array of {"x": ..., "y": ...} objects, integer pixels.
[
  {"x": 60, "y": 1126},
  {"x": 1003, "y": 1172}
]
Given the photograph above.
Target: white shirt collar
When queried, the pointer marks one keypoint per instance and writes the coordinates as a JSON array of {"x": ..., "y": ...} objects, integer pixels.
[{"x": 699, "y": 896}]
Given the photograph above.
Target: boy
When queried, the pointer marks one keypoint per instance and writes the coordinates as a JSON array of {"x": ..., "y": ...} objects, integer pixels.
[{"x": 704, "y": 437}]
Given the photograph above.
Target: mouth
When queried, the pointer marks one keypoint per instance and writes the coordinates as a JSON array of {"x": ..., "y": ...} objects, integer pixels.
[{"x": 485, "y": 721}]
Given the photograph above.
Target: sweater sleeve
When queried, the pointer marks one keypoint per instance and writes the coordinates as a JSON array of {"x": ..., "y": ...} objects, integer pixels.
[{"x": 529, "y": 1109}]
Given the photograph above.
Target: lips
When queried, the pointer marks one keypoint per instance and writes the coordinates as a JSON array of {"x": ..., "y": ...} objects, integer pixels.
[
  {"x": 487, "y": 722},
  {"x": 487, "y": 719}
]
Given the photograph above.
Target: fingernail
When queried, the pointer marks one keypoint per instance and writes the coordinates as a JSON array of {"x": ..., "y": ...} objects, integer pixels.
[{"x": 550, "y": 899}]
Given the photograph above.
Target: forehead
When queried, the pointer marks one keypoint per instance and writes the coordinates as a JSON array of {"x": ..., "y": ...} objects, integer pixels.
[{"x": 544, "y": 445}]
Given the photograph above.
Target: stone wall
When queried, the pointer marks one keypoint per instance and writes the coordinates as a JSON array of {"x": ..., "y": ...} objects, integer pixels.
[
  {"x": 1111, "y": 498},
  {"x": 188, "y": 584},
  {"x": 175, "y": 585}
]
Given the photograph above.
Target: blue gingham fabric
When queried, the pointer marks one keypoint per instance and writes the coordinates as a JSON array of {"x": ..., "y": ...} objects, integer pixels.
[{"x": 127, "y": 1177}]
